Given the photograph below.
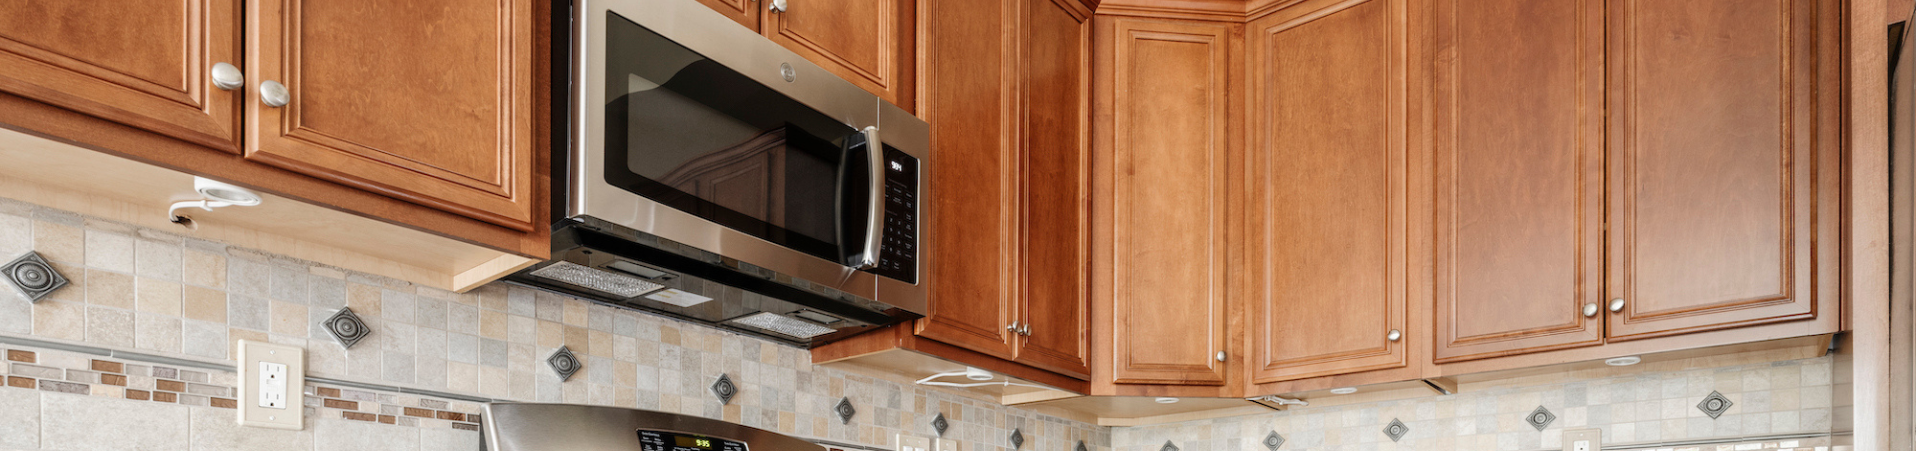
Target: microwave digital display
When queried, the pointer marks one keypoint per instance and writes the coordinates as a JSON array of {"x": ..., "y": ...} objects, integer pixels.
[{"x": 672, "y": 441}]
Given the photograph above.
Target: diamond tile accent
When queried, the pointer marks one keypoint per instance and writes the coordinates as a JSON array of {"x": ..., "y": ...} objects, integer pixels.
[
  {"x": 1168, "y": 446},
  {"x": 1396, "y": 430},
  {"x": 1081, "y": 447},
  {"x": 564, "y": 363},
  {"x": 1540, "y": 418},
  {"x": 1714, "y": 405},
  {"x": 1273, "y": 441},
  {"x": 844, "y": 410},
  {"x": 32, "y": 276},
  {"x": 724, "y": 389},
  {"x": 346, "y": 327},
  {"x": 1017, "y": 439},
  {"x": 939, "y": 424}
]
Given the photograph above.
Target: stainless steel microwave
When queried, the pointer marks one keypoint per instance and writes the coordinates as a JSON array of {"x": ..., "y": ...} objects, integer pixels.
[{"x": 711, "y": 174}]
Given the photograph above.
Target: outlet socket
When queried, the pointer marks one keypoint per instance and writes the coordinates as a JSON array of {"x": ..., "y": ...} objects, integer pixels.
[
  {"x": 1583, "y": 440},
  {"x": 271, "y": 378},
  {"x": 907, "y": 442}
]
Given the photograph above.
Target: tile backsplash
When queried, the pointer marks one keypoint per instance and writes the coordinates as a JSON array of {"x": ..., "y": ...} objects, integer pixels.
[{"x": 156, "y": 293}]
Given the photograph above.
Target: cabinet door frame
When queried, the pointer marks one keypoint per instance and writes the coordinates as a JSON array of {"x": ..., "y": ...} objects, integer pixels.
[
  {"x": 1219, "y": 147},
  {"x": 1261, "y": 242},
  {"x": 195, "y": 111},
  {"x": 277, "y": 136},
  {"x": 1810, "y": 151},
  {"x": 1445, "y": 85},
  {"x": 892, "y": 79},
  {"x": 1072, "y": 355}
]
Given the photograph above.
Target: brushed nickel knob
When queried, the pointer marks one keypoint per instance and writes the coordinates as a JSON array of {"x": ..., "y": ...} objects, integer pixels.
[
  {"x": 1616, "y": 305},
  {"x": 778, "y": 6},
  {"x": 1220, "y": 356},
  {"x": 274, "y": 94},
  {"x": 1394, "y": 335},
  {"x": 1013, "y": 328},
  {"x": 1591, "y": 309},
  {"x": 227, "y": 78},
  {"x": 1024, "y": 329}
]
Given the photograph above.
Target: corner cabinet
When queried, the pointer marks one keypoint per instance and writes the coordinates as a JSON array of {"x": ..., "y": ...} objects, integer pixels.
[
  {"x": 1167, "y": 135},
  {"x": 1326, "y": 204},
  {"x": 358, "y": 110}
]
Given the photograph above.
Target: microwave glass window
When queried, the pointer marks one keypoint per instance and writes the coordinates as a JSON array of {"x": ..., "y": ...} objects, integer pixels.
[{"x": 689, "y": 133}]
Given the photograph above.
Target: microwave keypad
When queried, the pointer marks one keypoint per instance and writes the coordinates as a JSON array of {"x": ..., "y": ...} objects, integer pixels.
[{"x": 898, "y": 251}]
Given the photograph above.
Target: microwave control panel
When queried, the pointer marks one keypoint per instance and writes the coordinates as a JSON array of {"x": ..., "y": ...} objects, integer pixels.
[
  {"x": 672, "y": 441},
  {"x": 898, "y": 251}
]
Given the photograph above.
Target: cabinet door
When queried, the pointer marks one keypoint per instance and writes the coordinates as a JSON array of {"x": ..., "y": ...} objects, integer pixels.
[
  {"x": 1163, "y": 203},
  {"x": 1517, "y": 88},
  {"x": 866, "y": 42},
  {"x": 1055, "y": 42},
  {"x": 144, "y": 63},
  {"x": 427, "y": 101},
  {"x": 1326, "y": 205},
  {"x": 745, "y": 12},
  {"x": 1724, "y": 138},
  {"x": 974, "y": 223}
]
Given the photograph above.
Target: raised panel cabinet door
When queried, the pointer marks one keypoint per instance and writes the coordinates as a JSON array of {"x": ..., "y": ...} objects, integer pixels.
[
  {"x": 429, "y": 101},
  {"x": 1724, "y": 141},
  {"x": 745, "y": 12},
  {"x": 143, "y": 63},
  {"x": 1166, "y": 198},
  {"x": 1055, "y": 90},
  {"x": 1517, "y": 87},
  {"x": 973, "y": 293},
  {"x": 1326, "y": 214},
  {"x": 866, "y": 42}
]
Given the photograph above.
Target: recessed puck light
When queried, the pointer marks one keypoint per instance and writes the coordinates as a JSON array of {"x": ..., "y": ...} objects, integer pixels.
[
  {"x": 1343, "y": 391},
  {"x": 1167, "y": 400},
  {"x": 1624, "y": 361}
]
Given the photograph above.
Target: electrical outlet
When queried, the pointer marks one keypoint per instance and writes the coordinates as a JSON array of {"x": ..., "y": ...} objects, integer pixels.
[
  {"x": 271, "y": 377},
  {"x": 907, "y": 442},
  {"x": 1583, "y": 440},
  {"x": 945, "y": 444}
]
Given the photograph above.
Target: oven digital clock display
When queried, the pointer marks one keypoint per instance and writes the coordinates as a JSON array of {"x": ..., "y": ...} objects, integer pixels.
[{"x": 673, "y": 441}]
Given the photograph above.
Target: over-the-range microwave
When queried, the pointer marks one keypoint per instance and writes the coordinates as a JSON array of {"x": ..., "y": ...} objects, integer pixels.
[{"x": 703, "y": 171}]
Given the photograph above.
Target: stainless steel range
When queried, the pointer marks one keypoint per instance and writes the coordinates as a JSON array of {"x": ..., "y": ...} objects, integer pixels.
[{"x": 564, "y": 427}]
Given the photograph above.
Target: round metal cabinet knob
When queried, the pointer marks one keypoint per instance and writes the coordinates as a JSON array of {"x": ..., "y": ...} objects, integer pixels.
[
  {"x": 1013, "y": 328},
  {"x": 1220, "y": 356},
  {"x": 1024, "y": 329},
  {"x": 778, "y": 6},
  {"x": 1616, "y": 305},
  {"x": 227, "y": 78},
  {"x": 1394, "y": 335},
  {"x": 1591, "y": 309},
  {"x": 274, "y": 94}
]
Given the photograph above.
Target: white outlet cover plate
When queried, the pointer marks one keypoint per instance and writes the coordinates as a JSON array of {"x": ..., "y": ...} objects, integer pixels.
[
  {"x": 908, "y": 442},
  {"x": 251, "y": 356},
  {"x": 945, "y": 444}
]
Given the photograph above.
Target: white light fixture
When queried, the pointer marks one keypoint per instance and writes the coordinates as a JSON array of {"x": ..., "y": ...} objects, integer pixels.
[
  {"x": 1624, "y": 361},
  {"x": 1167, "y": 400},
  {"x": 213, "y": 194},
  {"x": 977, "y": 374},
  {"x": 1344, "y": 390}
]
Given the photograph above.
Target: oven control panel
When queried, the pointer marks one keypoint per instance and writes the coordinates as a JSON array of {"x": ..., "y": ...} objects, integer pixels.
[{"x": 673, "y": 441}]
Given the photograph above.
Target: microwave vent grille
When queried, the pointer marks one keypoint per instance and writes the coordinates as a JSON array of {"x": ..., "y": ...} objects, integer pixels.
[
  {"x": 784, "y": 325},
  {"x": 621, "y": 285}
]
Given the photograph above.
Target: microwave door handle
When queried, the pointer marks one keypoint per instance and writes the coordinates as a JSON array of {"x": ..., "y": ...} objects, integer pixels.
[{"x": 875, "y": 206}]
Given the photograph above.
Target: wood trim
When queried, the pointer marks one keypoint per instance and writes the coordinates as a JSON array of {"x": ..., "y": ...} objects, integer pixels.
[{"x": 1865, "y": 228}]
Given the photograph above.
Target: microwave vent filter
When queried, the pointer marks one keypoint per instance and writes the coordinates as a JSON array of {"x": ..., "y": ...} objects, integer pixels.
[
  {"x": 678, "y": 297},
  {"x": 607, "y": 282},
  {"x": 784, "y": 325}
]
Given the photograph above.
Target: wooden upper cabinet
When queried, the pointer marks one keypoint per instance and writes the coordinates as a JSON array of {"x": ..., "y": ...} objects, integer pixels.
[
  {"x": 974, "y": 223},
  {"x": 867, "y": 42},
  {"x": 1517, "y": 87},
  {"x": 144, "y": 63},
  {"x": 745, "y": 12},
  {"x": 1325, "y": 203},
  {"x": 428, "y": 101},
  {"x": 1724, "y": 162},
  {"x": 1055, "y": 90},
  {"x": 1160, "y": 201}
]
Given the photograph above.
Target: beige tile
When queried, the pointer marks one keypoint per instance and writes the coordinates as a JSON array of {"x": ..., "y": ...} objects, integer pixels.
[
  {"x": 289, "y": 319},
  {"x": 578, "y": 340},
  {"x": 205, "y": 304},
  {"x": 551, "y": 334},
  {"x": 492, "y": 324},
  {"x": 462, "y": 377},
  {"x": 65, "y": 320},
  {"x": 575, "y": 312},
  {"x": 61, "y": 243},
  {"x": 601, "y": 343},
  {"x": 109, "y": 289},
  {"x": 75, "y": 290},
  {"x": 236, "y": 334},
  {"x": 109, "y": 251},
  {"x": 157, "y": 332},
  {"x": 520, "y": 329},
  {"x": 205, "y": 269},
  {"x": 157, "y": 296},
  {"x": 363, "y": 299},
  {"x": 109, "y": 326},
  {"x": 83, "y": 422},
  {"x": 158, "y": 260}
]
